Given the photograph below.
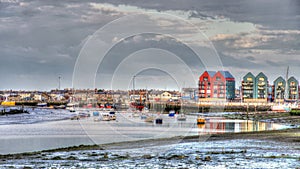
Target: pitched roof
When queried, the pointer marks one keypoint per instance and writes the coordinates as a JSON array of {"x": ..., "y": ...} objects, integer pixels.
[
  {"x": 211, "y": 73},
  {"x": 226, "y": 74}
]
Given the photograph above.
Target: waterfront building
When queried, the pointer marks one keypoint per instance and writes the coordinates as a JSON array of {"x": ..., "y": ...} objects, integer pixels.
[
  {"x": 248, "y": 84},
  {"x": 219, "y": 85},
  {"x": 293, "y": 89},
  {"x": 205, "y": 81},
  {"x": 229, "y": 85},
  {"x": 279, "y": 89},
  {"x": 261, "y": 87},
  {"x": 255, "y": 88}
]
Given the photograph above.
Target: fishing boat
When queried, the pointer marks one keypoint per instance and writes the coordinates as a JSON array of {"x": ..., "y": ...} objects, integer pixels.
[{"x": 200, "y": 120}]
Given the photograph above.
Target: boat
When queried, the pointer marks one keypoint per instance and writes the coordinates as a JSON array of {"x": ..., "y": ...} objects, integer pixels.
[
  {"x": 42, "y": 104},
  {"x": 112, "y": 115},
  {"x": 181, "y": 117},
  {"x": 105, "y": 117},
  {"x": 159, "y": 120},
  {"x": 71, "y": 107},
  {"x": 172, "y": 113},
  {"x": 200, "y": 120},
  {"x": 281, "y": 108},
  {"x": 135, "y": 114},
  {"x": 60, "y": 107},
  {"x": 8, "y": 103},
  {"x": 149, "y": 119},
  {"x": 95, "y": 113},
  {"x": 143, "y": 116}
]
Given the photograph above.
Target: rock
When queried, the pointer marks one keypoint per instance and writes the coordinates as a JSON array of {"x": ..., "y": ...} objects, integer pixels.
[
  {"x": 207, "y": 158},
  {"x": 56, "y": 158},
  {"x": 72, "y": 158},
  {"x": 175, "y": 156},
  {"x": 105, "y": 155},
  {"x": 147, "y": 156}
]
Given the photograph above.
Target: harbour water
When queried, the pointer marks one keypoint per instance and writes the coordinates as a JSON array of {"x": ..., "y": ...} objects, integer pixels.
[{"x": 56, "y": 132}]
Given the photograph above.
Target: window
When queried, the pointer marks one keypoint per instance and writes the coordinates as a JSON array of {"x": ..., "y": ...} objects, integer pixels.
[
  {"x": 218, "y": 78},
  {"x": 249, "y": 79},
  {"x": 261, "y": 79}
]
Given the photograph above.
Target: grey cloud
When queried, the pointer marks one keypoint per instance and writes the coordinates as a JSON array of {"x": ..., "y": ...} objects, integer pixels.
[{"x": 276, "y": 14}]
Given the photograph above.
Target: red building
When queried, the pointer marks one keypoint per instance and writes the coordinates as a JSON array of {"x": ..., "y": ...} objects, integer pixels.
[
  {"x": 205, "y": 84},
  {"x": 219, "y": 84}
]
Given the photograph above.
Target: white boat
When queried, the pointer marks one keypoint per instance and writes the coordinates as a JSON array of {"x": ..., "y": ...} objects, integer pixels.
[
  {"x": 71, "y": 107},
  {"x": 43, "y": 104},
  {"x": 150, "y": 119},
  {"x": 287, "y": 107},
  {"x": 105, "y": 117},
  {"x": 112, "y": 115},
  {"x": 181, "y": 117}
]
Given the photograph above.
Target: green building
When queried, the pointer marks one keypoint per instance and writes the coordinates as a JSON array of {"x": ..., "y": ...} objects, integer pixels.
[
  {"x": 255, "y": 87},
  {"x": 279, "y": 88},
  {"x": 292, "y": 90}
]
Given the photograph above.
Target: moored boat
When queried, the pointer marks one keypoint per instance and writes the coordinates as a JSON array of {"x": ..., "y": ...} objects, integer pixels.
[
  {"x": 112, "y": 115},
  {"x": 105, "y": 117},
  {"x": 149, "y": 119},
  {"x": 181, "y": 117},
  {"x": 200, "y": 120}
]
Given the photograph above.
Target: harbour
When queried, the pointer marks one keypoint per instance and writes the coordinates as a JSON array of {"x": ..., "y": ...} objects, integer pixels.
[{"x": 57, "y": 130}]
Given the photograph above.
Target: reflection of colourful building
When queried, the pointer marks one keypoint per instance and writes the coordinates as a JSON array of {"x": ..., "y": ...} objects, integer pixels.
[{"x": 222, "y": 125}]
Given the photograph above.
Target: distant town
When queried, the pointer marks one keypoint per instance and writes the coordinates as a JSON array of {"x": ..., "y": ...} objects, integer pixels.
[{"x": 212, "y": 86}]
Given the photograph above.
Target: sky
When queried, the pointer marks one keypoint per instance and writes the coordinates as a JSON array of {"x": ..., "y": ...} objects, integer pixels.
[{"x": 164, "y": 44}]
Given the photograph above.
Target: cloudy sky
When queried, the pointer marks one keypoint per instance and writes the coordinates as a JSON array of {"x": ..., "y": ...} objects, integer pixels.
[{"x": 165, "y": 43}]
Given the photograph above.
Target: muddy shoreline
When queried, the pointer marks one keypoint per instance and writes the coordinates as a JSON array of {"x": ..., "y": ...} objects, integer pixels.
[{"x": 291, "y": 136}]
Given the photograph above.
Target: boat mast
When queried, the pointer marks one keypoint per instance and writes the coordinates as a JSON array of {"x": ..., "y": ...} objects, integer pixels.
[{"x": 286, "y": 84}]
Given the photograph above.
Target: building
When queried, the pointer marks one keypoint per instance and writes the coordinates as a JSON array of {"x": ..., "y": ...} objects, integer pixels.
[
  {"x": 292, "y": 89},
  {"x": 261, "y": 87},
  {"x": 219, "y": 85},
  {"x": 189, "y": 94},
  {"x": 255, "y": 88},
  {"x": 279, "y": 89},
  {"x": 248, "y": 84},
  {"x": 205, "y": 81},
  {"x": 230, "y": 85}
]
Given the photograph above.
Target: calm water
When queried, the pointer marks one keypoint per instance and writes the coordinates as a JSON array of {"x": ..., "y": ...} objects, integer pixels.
[{"x": 49, "y": 134}]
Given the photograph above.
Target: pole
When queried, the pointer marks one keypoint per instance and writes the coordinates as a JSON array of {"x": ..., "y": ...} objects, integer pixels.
[{"x": 59, "y": 82}]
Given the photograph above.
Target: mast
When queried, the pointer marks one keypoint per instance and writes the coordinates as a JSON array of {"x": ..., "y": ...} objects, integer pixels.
[{"x": 286, "y": 84}]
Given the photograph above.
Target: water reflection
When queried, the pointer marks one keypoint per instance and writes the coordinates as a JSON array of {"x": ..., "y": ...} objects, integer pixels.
[{"x": 215, "y": 125}]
